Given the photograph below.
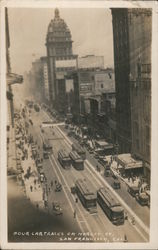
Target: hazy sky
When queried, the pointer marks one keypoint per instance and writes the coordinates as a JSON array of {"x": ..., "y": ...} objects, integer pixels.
[{"x": 91, "y": 31}]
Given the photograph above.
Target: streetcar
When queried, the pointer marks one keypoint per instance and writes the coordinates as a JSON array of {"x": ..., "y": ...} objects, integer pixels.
[
  {"x": 64, "y": 159},
  {"x": 76, "y": 147},
  {"x": 111, "y": 207},
  {"x": 76, "y": 160},
  {"x": 47, "y": 147},
  {"x": 86, "y": 194}
]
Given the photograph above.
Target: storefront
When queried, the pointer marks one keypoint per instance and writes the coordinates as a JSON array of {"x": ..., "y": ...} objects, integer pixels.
[
  {"x": 108, "y": 148},
  {"x": 130, "y": 166},
  {"x": 147, "y": 171}
]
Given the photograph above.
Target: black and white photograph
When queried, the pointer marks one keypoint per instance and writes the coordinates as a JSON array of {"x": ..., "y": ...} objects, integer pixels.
[{"x": 78, "y": 159}]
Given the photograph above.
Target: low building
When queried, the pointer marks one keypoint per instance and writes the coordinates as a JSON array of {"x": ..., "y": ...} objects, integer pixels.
[{"x": 91, "y": 62}]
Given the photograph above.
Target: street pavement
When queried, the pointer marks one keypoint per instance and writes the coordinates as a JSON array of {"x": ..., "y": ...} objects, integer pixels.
[
  {"x": 97, "y": 222},
  {"x": 143, "y": 212}
]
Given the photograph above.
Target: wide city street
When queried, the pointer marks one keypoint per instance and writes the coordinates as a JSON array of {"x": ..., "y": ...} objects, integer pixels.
[{"x": 98, "y": 224}]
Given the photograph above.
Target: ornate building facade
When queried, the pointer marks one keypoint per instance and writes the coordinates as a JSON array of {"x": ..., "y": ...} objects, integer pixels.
[{"x": 59, "y": 47}]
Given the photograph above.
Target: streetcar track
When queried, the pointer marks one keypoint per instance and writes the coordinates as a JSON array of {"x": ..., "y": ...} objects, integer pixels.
[
  {"x": 144, "y": 227},
  {"x": 70, "y": 193},
  {"x": 66, "y": 141}
]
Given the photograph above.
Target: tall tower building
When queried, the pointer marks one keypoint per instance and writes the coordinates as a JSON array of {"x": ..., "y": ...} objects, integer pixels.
[
  {"x": 132, "y": 54},
  {"x": 122, "y": 73},
  {"x": 59, "y": 47},
  {"x": 140, "y": 28}
]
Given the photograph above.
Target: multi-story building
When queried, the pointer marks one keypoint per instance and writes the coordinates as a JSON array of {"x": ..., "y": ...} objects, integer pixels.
[
  {"x": 132, "y": 54},
  {"x": 122, "y": 72},
  {"x": 91, "y": 62},
  {"x": 37, "y": 83},
  {"x": 140, "y": 28},
  {"x": 59, "y": 47},
  {"x": 45, "y": 78}
]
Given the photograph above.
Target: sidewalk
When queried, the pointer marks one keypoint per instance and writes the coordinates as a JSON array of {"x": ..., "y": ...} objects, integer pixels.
[
  {"x": 32, "y": 186},
  {"x": 35, "y": 194},
  {"x": 11, "y": 152}
]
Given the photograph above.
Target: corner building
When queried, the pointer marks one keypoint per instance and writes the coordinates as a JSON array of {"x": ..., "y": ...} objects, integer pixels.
[
  {"x": 59, "y": 47},
  {"x": 140, "y": 28}
]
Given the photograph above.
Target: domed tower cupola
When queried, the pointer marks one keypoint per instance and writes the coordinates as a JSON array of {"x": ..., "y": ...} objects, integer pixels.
[
  {"x": 58, "y": 40},
  {"x": 56, "y": 13}
]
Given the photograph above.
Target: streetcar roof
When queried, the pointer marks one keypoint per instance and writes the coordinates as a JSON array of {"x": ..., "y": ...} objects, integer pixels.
[
  {"x": 75, "y": 156},
  {"x": 108, "y": 197},
  {"x": 117, "y": 209},
  {"x": 86, "y": 188},
  {"x": 63, "y": 153}
]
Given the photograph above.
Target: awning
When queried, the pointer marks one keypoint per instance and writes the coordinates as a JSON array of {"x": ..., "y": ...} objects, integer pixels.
[
  {"x": 104, "y": 144},
  {"x": 128, "y": 162}
]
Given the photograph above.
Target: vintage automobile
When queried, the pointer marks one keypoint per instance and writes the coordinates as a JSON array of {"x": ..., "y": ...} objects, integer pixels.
[
  {"x": 58, "y": 187},
  {"x": 107, "y": 171},
  {"x": 143, "y": 199},
  {"x": 39, "y": 165},
  {"x": 45, "y": 155},
  {"x": 42, "y": 177},
  {"x": 133, "y": 190},
  {"x": 116, "y": 184},
  {"x": 56, "y": 208}
]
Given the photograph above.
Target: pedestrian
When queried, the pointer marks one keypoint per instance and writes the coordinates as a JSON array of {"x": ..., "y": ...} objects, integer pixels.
[
  {"x": 31, "y": 188},
  {"x": 37, "y": 206},
  {"x": 125, "y": 238},
  {"x": 111, "y": 158},
  {"x": 76, "y": 200},
  {"x": 49, "y": 189},
  {"x": 45, "y": 203},
  {"x": 35, "y": 182},
  {"x": 74, "y": 214},
  {"x": 133, "y": 220},
  {"x": 51, "y": 184},
  {"x": 126, "y": 216}
]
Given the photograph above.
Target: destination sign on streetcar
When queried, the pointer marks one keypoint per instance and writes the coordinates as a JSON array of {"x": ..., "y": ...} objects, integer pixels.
[
  {"x": 77, "y": 161},
  {"x": 64, "y": 159},
  {"x": 76, "y": 147},
  {"x": 110, "y": 206},
  {"x": 87, "y": 194}
]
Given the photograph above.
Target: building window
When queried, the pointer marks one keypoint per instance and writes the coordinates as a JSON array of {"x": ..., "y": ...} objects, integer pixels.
[
  {"x": 148, "y": 134},
  {"x": 147, "y": 150},
  {"x": 93, "y": 78},
  {"x": 137, "y": 144},
  {"x": 136, "y": 129},
  {"x": 110, "y": 96}
]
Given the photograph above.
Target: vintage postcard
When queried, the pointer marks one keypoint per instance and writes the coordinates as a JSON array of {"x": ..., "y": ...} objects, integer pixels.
[{"x": 79, "y": 119}]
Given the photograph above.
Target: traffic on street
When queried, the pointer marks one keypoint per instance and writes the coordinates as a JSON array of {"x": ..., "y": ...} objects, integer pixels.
[{"x": 74, "y": 184}]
